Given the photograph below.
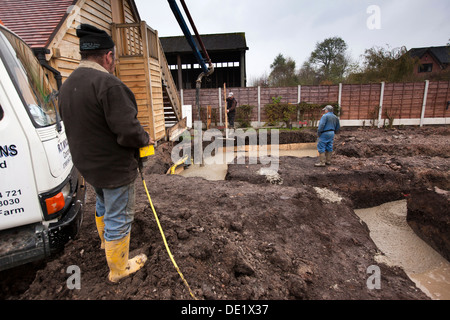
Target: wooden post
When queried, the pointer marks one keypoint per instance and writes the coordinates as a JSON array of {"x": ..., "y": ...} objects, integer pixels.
[
  {"x": 148, "y": 79},
  {"x": 220, "y": 107},
  {"x": 208, "y": 116}
]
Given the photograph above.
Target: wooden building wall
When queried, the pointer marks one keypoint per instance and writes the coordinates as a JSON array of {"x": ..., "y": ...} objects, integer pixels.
[
  {"x": 139, "y": 68},
  {"x": 133, "y": 68}
]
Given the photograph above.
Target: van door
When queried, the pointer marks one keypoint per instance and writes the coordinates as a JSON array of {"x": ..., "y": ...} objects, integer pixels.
[
  {"x": 19, "y": 202},
  {"x": 33, "y": 156}
]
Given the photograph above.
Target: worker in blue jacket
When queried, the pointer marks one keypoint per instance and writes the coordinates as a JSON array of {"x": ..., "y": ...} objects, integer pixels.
[{"x": 329, "y": 125}]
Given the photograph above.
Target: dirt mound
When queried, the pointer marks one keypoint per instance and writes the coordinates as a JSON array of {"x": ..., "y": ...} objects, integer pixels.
[
  {"x": 405, "y": 142},
  {"x": 367, "y": 182},
  {"x": 293, "y": 236},
  {"x": 232, "y": 240},
  {"x": 425, "y": 208}
]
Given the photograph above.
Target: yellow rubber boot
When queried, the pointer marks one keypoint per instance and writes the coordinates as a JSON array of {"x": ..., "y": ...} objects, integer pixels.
[
  {"x": 99, "y": 221},
  {"x": 117, "y": 257}
]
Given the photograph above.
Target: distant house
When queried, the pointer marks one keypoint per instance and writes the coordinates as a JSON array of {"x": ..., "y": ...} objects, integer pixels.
[
  {"x": 432, "y": 60},
  {"x": 227, "y": 52}
]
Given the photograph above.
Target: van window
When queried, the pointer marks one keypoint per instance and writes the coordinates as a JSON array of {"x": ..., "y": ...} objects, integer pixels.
[
  {"x": 29, "y": 78},
  {"x": 1, "y": 113}
]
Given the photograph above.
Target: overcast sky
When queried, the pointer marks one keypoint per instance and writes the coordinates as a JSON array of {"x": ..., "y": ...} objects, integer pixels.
[{"x": 293, "y": 27}]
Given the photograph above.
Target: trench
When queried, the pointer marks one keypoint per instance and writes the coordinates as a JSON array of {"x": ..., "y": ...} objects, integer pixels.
[
  {"x": 403, "y": 248},
  {"x": 218, "y": 170},
  {"x": 389, "y": 230}
]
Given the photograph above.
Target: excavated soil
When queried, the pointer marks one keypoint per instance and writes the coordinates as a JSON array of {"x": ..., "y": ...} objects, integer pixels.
[{"x": 283, "y": 236}]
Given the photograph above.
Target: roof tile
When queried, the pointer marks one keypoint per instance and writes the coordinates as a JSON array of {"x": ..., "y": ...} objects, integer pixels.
[{"x": 35, "y": 21}]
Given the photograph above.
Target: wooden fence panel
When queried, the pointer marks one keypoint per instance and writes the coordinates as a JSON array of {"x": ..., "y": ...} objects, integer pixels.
[
  {"x": 438, "y": 96},
  {"x": 359, "y": 102}
]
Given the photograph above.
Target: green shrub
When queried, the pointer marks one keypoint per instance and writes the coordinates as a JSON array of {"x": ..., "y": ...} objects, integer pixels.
[
  {"x": 280, "y": 112},
  {"x": 285, "y": 112},
  {"x": 243, "y": 115}
]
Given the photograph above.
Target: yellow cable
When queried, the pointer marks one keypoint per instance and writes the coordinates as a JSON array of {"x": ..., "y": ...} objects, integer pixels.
[{"x": 165, "y": 242}]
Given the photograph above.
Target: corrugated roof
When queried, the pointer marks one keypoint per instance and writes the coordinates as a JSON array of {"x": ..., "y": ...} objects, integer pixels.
[
  {"x": 35, "y": 21},
  {"x": 212, "y": 42}
]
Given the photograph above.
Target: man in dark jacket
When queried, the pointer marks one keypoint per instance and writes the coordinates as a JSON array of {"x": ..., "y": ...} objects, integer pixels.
[
  {"x": 231, "y": 109},
  {"x": 100, "y": 117}
]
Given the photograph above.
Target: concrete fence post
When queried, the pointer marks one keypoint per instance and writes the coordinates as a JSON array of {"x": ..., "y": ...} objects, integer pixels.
[
  {"x": 380, "y": 112},
  {"x": 424, "y": 105},
  {"x": 299, "y": 99},
  {"x": 259, "y": 106}
]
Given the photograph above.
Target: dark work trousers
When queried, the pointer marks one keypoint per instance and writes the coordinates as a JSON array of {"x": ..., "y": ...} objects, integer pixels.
[{"x": 231, "y": 117}]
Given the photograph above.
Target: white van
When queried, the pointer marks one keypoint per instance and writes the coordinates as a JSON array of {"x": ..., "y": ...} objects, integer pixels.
[{"x": 41, "y": 193}]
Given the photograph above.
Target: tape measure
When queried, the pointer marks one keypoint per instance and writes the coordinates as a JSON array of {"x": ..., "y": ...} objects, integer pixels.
[{"x": 146, "y": 152}]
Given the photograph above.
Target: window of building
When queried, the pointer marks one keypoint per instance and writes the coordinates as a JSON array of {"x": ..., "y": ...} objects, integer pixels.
[{"x": 426, "y": 67}]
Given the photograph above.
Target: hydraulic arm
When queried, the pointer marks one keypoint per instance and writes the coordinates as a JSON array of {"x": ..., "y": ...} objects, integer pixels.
[{"x": 206, "y": 70}]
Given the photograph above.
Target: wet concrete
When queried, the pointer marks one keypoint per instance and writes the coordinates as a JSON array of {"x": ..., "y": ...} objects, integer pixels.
[
  {"x": 403, "y": 248},
  {"x": 216, "y": 169}
]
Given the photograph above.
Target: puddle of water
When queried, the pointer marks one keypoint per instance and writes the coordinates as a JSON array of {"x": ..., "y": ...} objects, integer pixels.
[
  {"x": 403, "y": 248},
  {"x": 435, "y": 283}
]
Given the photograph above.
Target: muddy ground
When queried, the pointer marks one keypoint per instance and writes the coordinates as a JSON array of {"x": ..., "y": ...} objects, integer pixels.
[{"x": 292, "y": 234}]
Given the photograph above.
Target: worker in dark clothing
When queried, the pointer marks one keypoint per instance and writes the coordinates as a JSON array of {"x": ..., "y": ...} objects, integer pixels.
[
  {"x": 231, "y": 109},
  {"x": 100, "y": 116},
  {"x": 329, "y": 125}
]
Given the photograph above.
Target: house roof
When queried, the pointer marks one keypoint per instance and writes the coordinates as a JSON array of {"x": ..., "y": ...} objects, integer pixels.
[
  {"x": 212, "y": 42},
  {"x": 35, "y": 21},
  {"x": 442, "y": 54}
]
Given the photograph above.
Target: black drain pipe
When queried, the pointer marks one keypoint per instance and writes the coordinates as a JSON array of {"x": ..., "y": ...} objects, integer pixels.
[{"x": 40, "y": 55}]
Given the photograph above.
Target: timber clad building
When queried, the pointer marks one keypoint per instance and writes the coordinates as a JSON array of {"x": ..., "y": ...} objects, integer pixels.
[
  {"x": 49, "y": 28},
  {"x": 227, "y": 52}
]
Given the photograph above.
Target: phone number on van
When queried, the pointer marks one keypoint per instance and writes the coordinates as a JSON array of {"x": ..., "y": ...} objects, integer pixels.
[{"x": 11, "y": 200}]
